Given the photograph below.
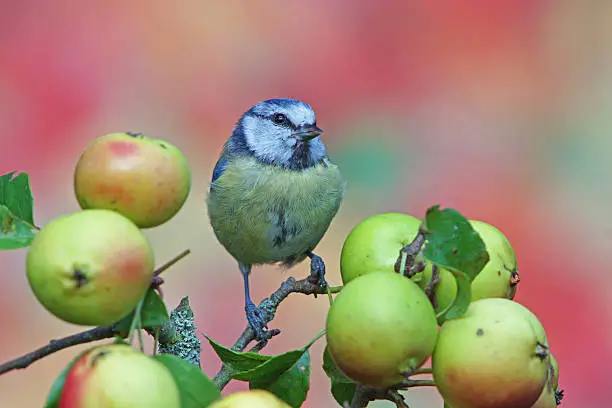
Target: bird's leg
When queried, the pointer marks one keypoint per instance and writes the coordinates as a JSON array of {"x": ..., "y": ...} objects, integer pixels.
[
  {"x": 255, "y": 316},
  {"x": 317, "y": 269}
]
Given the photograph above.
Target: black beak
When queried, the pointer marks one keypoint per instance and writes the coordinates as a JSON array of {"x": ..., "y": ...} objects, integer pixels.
[{"x": 306, "y": 133}]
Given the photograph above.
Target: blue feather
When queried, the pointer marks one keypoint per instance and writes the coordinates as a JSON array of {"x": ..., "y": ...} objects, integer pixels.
[{"x": 219, "y": 169}]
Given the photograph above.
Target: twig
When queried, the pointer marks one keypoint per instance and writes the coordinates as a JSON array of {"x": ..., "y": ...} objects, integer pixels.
[
  {"x": 269, "y": 306},
  {"x": 97, "y": 333}
]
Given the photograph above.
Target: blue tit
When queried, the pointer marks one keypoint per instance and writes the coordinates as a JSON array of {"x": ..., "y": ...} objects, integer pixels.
[{"x": 274, "y": 193}]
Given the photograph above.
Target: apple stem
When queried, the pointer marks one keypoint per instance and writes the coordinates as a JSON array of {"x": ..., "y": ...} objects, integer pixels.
[
  {"x": 171, "y": 262},
  {"x": 406, "y": 260}
]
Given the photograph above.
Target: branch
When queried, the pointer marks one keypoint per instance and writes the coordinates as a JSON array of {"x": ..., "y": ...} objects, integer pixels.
[
  {"x": 269, "y": 306},
  {"x": 178, "y": 336},
  {"x": 97, "y": 333}
]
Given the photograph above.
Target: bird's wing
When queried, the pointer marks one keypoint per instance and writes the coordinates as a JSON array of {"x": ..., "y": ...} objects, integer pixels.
[{"x": 219, "y": 169}]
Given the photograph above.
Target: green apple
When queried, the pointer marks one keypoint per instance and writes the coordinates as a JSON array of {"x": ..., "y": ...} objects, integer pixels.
[
  {"x": 90, "y": 267},
  {"x": 374, "y": 244},
  {"x": 147, "y": 180},
  {"x": 493, "y": 356},
  {"x": 255, "y": 398},
  {"x": 380, "y": 326},
  {"x": 118, "y": 376},
  {"x": 499, "y": 277},
  {"x": 548, "y": 397}
]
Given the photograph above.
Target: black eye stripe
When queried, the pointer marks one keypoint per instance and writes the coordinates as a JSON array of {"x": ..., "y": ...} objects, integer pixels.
[{"x": 287, "y": 122}]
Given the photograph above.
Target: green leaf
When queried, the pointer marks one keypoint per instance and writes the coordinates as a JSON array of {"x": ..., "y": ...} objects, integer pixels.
[
  {"x": 16, "y": 211},
  {"x": 14, "y": 233},
  {"x": 236, "y": 360},
  {"x": 271, "y": 368},
  {"x": 153, "y": 314},
  {"x": 16, "y": 195},
  {"x": 452, "y": 243},
  {"x": 55, "y": 393},
  {"x": 195, "y": 388},
  {"x": 342, "y": 388},
  {"x": 462, "y": 298},
  {"x": 292, "y": 386},
  {"x": 275, "y": 365}
]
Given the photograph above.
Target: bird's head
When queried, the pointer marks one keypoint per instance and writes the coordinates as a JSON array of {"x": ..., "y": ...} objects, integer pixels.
[{"x": 282, "y": 132}]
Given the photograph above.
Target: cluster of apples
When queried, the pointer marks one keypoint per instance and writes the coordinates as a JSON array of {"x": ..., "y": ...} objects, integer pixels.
[
  {"x": 383, "y": 327},
  {"x": 93, "y": 266}
]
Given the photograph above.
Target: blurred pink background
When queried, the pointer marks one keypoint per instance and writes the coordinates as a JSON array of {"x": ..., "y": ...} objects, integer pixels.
[{"x": 498, "y": 109}]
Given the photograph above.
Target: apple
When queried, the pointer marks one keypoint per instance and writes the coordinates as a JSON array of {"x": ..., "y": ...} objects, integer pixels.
[
  {"x": 118, "y": 376},
  {"x": 255, "y": 398},
  {"x": 147, "y": 180},
  {"x": 548, "y": 397},
  {"x": 499, "y": 277},
  {"x": 379, "y": 327},
  {"x": 90, "y": 267},
  {"x": 493, "y": 356},
  {"x": 374, "y": 244}
]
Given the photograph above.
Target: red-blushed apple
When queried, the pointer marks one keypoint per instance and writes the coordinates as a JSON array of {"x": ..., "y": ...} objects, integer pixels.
[
  {"x": 118, "y": 376},
  {"x": 147, "y": 180},
  {"x": 256, "y": 398},
  {"x": 380, "y": 327},
  {"x": 493, "y": 356},
  {"x": 90, "y": 267}
]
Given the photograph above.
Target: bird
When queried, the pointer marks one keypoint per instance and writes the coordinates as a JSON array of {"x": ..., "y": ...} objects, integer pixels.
[{"x": 274, "y": 193}]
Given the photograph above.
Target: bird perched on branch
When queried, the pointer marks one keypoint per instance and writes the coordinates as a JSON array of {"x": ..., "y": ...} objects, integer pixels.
[{"x": 274, "y": 193}]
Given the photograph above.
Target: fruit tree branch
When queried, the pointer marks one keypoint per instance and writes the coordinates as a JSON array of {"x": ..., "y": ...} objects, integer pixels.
[
  {"x": 88, "y": 336},
  {"x": 269, "y": 305}
]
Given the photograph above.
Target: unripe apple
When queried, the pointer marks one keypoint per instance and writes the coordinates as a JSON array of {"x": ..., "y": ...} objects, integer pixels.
[
  {"x": 548, "y": 398},
  {"x": 374, "y": 244},
  {"x": 493, "y": 356},
  {"x": 90, "y": 267},
  {"x": 118, "y": 376},
  {"x": 147, "y": 180},
  {"x": 380, "y": 326},
  {"x": 499, "y": 277},
  {"x": 256, "y": 398}
]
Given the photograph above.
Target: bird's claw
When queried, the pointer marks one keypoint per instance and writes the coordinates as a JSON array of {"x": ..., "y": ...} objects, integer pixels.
[
  {"x": 317, "y": 270},
  {"x": 257, "y": 320}
]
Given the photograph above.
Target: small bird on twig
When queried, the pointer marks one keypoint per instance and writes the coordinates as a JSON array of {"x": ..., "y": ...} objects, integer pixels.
[{"x": 274, "y": 193}]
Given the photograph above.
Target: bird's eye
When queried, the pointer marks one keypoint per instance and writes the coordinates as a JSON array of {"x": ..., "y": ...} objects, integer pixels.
[{"x": 279, "y": 119}]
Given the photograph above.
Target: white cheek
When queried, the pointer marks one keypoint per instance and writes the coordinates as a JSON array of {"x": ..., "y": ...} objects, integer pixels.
[{"x": 290, "y": 142}]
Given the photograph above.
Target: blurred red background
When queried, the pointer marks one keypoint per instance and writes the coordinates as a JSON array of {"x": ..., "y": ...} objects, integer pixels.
[{"x": 498, "y": 109}]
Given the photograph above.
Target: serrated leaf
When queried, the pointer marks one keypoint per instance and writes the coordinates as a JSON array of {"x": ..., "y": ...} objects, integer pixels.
[
  {"x": 195, "y": 388},
  {"x": 153, "y": 314},
  {"x": 292, "y": 386},
  {"x": 55, "y": 393},
  {"x": 452, "y": 243},
  {"x": 462, "y": 298},
  {"x": 237, "y": 361},
  {"x": 16, "y": 211},
  {"x": 342, "y": 388}
]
